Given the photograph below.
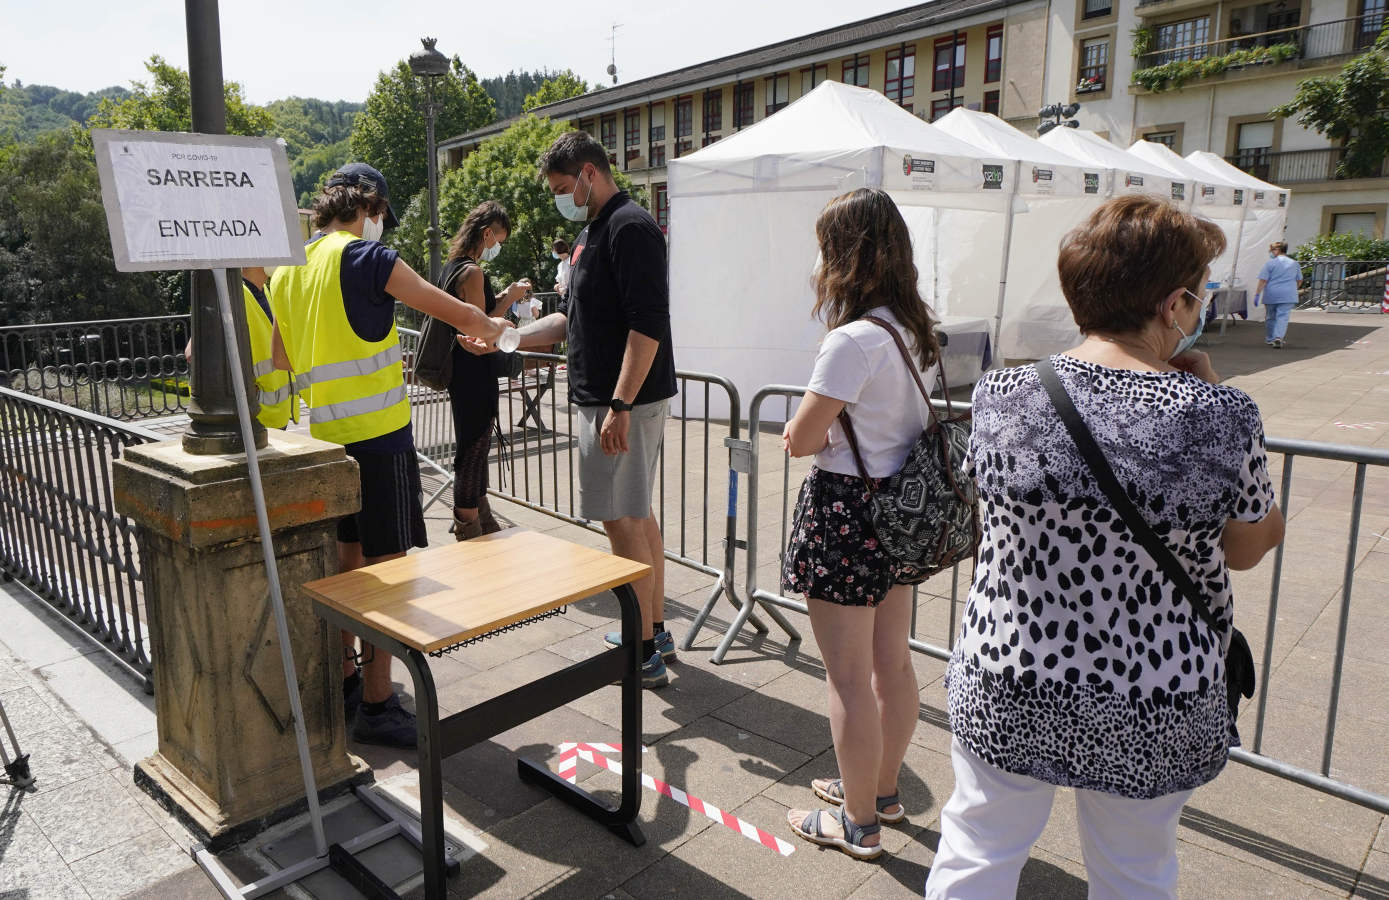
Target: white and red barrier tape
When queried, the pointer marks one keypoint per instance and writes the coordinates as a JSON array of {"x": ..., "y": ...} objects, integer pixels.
[
  {"x": 1384, "y": 304},
  {"x": 571, "y": 752}
]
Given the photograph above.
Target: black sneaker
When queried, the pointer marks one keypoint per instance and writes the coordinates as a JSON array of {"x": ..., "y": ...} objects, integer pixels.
[{"x": 394, "y": 726}]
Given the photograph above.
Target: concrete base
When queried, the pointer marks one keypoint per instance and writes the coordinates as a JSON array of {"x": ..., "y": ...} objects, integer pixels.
[{"x": 228, "y": 762}]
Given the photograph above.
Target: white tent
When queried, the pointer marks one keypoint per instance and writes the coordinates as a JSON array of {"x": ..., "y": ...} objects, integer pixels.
[
  {"x": 743, "y": 211},
  {"x": 1266, "y": 217},
  {"x": 1129, "y": 174},
  {"x": 1059, "y": 191},
  {"x": 1213, "y": 196}
]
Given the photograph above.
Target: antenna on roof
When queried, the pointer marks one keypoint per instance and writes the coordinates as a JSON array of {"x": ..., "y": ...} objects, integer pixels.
[{"x": 612, "y": 64}]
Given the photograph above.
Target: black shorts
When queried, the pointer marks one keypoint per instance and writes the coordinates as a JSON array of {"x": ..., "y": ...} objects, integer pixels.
[
  {"x": 391, "y": 519},
  {"x": 833, "y": 553}
]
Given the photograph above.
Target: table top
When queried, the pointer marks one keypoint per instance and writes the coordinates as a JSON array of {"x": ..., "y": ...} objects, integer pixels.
[{"x": 438, "y": 597}]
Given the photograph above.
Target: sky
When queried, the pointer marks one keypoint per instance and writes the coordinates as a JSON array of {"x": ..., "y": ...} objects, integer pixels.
[{"x": 333, "y": 51}]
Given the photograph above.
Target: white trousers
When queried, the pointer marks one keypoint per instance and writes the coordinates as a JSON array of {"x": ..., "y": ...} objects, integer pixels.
[{"x": 993, "y": 818}]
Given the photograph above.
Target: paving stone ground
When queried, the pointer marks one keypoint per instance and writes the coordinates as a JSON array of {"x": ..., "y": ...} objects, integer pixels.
[{"x": 749, "y": 735}]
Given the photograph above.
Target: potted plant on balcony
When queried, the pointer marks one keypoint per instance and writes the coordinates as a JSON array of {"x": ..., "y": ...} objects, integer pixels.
[{"x": 1089, "y": 83}]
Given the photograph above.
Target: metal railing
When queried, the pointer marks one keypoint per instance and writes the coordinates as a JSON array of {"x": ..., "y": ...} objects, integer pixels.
[
  {"x": 1362, "y": 458},
  {"x": 535, "y": 464},
  {"x": 60, "y": 534},
  {"x": 1324, "y": 40},
  {"x": 119, "y": 368},
  {"x": 1298, "y": 166},
  {"x": 1343, "y": 284}
]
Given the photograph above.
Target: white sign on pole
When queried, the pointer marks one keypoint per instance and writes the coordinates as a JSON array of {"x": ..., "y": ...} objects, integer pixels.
[{"x": 196, "y": 201}]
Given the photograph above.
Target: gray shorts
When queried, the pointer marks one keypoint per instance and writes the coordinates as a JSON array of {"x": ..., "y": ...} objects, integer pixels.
[{"x": 619, "y": 486}]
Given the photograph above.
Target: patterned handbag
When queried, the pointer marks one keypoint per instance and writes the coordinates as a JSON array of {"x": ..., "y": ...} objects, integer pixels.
[{"x": 926, "y": 516}]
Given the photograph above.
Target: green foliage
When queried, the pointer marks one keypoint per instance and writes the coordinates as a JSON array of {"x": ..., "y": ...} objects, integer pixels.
[
  {"x": 164, "y": 105},
  {"x": 509, "y": 91},
  {"x": 1349, "y": 107},
  {"x": 502, "y": 169},
  {"x": 306, "y": 123},
  {"x": 389, "y": 133},
  {"x": 55, "y": 251},
  {"x": 1351, "y": 246},
  {"x": 1142, "y": 40},
  {"x": 29, "y": 110},
  {"x": 560, "y": 86},
  {"x": 1172, "y": 75},
  {"x": 311, "y": 169}
]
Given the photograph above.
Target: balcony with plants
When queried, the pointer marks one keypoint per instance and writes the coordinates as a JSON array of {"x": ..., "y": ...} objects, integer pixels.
[{"x": 1159, "y": 66}]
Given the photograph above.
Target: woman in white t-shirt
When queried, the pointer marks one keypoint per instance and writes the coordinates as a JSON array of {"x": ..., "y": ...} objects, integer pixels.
[{"x": 859, "y": 597}]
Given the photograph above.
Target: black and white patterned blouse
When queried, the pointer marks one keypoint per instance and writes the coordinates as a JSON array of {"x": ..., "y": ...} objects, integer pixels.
[{"x": 1077, "y": 662}]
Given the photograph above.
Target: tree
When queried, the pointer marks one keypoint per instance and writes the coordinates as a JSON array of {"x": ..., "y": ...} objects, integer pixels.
[
  {"x": 389, "y": 133},
  {"x": 1350, "y": 107},
  {"x": 311, "y": 169},
  {"x": 560, "y": 86},
  {"x": 164, "y": 105},
  {"x": 307, "y": 123},
  {"x": 502, "y": 169},
  {"x": 55, "y": 250}
]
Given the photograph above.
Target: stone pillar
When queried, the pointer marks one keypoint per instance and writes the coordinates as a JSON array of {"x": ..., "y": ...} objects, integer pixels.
[{"x": 227, "y": 764}]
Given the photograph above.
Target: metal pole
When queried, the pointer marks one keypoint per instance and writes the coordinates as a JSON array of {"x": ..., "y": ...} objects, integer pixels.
[
  {"x": 1008, "y": 213},
  {"x": 434, "y": 265},
  {"x": 211, "y": 405}
]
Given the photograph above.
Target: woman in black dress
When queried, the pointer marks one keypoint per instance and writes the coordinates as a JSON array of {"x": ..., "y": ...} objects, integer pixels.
[{"x": 473, "y": 390}]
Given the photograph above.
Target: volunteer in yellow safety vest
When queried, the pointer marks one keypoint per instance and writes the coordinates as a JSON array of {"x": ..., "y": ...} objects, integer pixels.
[{"x": 335, "y": 329}]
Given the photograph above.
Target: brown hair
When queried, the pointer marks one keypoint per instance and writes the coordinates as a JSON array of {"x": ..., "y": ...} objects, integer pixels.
[
  {"x": 487, "y": 214},
  {"x": 560, "y": 245},
  {"x": 867, "y": 262},
  {"x": 340, "y": 203},
  {"x": 570, "y": 151},
  {"x": 1279, "y": 246},
  {"x": 1132, "y": 252}
]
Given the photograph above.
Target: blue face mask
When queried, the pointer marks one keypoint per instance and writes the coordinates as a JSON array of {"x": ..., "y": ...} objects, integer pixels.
[
  {"x": 1189, "y": 340},
  {"x": 572, "y": 211}
]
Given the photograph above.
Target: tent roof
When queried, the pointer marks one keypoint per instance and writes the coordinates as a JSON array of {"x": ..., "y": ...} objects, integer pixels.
[
  {"x": 832, "y": 119},
  {"x": 1160, "y": 156},
  {"x": 989, "y": 132},
  {"x": 1093, "y": 149},
  {"x": 1207, "y": 161}
]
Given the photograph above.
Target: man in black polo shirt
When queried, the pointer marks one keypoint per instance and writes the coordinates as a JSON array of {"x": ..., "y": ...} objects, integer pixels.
[{"x": 616, "y": 318}]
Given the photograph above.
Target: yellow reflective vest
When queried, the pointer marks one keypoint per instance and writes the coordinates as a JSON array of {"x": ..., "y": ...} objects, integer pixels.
[
  {"x": 277, "y": 403},
  {"x": 355, "y": 389}
]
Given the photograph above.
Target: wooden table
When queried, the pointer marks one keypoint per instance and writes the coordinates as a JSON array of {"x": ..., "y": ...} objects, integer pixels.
[{"x": 433, "y": 601}]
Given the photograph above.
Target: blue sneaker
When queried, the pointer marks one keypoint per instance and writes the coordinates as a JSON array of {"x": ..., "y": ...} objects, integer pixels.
[
  {"x": 665, "y": 643},
  {"x": 394, "y": 726},
  {"x": 653, "y": 672}
]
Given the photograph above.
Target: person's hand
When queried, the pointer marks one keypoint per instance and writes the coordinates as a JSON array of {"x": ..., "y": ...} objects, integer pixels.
[
  {"x": 475, "y": 346},
  {"x": 501, "y": 323},
  {"x": 1198, "y": 363},
  {"x": 786, "y": 438},
  {"x": 518, "y": 290},
  {"x": 613, "y": 437}
]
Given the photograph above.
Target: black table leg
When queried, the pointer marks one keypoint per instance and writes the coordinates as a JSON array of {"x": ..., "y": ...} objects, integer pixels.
[{"x": 431, "y": 775}]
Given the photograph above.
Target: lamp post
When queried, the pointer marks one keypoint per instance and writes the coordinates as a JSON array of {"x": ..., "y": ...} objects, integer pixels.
[
  {"x": 430, "y": 64},
  {"x": 1057, "y": 115}
]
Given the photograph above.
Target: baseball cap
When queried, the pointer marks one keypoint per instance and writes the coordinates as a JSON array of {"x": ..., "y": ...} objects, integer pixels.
[{"x": 363, "y": 175}]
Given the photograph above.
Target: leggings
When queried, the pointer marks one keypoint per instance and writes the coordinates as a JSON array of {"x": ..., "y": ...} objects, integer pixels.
[{"x": 470, "y": 471}]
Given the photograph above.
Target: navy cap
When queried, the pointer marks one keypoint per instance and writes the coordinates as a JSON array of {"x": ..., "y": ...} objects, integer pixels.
[{"x": 363, "y": 175}]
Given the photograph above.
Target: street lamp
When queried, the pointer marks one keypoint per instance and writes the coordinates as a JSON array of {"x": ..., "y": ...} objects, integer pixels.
[
  {"x": 1057, "y": 112},
  {"x": 430, "y": 64}
]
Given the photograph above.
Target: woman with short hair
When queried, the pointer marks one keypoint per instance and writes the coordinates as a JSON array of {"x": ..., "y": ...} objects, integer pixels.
[{"x": 1078, "y": 663}]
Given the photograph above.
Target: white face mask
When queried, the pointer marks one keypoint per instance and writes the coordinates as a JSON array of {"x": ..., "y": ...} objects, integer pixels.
[
  {"x": 492, "y": 252},
  {"x": 556, "y": 255},
  {"x": 372, "y": 229},
  {"x": 570, "y": 209}
]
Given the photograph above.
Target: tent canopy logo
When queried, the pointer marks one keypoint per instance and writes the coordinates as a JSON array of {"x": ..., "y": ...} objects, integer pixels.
[
  {"x": 1092, "y": 182},
  {"x": 1178, "y": 190},
  {"x": 911, "y": 164},
  {"x": 993, "y": 177}
]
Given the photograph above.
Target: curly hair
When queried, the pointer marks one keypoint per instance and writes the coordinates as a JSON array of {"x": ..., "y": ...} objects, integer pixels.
[
  {"x": 487, "y": 214},
  {"x": 340, "y": 203},
  {"x": 1119, "y": 265},
  {"x": 867, "y": 262}
]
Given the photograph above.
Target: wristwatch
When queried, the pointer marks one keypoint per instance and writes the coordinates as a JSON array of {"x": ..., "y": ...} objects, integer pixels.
[{"x": 617, "y": 405}]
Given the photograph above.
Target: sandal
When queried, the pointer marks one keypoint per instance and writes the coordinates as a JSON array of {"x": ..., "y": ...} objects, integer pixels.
[
  {"x": 852, "y": 841},
  {"x": 831, "y": 790}
]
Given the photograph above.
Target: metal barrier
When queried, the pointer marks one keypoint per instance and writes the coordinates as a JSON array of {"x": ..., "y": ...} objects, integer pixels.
[
  {"x": 60, "y": 534},
  {"x": 535, "y": 463},
  {"x": 1339, "y": 283},
  {"x": 1361, "y": 457},
  {"x": 119, "y": 368}
]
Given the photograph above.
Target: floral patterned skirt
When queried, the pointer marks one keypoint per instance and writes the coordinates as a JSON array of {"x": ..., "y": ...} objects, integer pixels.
[{"x": 834, "y": 554}]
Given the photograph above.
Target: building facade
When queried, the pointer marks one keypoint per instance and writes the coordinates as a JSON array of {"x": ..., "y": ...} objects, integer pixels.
[{"x": 1193, "y": 74}]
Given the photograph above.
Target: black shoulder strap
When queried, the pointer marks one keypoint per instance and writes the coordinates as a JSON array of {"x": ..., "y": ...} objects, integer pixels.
[{"x": 1118, "y": 497}]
